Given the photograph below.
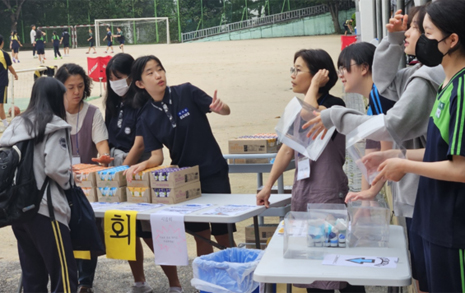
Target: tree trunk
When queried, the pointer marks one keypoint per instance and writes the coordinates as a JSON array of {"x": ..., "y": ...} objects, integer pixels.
[
  {"x": 334, "y": 10},
  {"x": 14, "y": 12}
]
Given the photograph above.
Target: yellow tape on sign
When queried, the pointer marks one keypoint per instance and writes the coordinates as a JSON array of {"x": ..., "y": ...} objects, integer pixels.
[{"x": 120, "y": 234}]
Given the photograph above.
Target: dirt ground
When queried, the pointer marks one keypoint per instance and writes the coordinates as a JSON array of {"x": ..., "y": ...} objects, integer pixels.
[{"x": 251, "y": 76}]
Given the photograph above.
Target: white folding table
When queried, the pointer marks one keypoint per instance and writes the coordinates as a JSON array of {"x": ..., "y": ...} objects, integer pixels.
[
  {"x": 276, "y": 200},
  {"x": 274, "y": 268}
]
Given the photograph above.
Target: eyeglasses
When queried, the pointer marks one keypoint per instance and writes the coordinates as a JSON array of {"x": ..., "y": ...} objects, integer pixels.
[
  {"x": 341, "y": 69},
  {"x": 294, "y": 71}
]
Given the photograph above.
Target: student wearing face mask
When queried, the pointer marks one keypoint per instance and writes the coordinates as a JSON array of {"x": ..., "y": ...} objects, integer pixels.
[{"x": 123, "y": 122}]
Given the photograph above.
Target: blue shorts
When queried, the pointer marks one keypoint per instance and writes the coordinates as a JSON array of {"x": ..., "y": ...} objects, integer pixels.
[
  {"x": 443, "y": 267},
  {"x": 121, "y": 42},
  {"x": 15, "y": 49},
  {"x": 65, "y": 45},
  {"x": 109, "y": 43}
]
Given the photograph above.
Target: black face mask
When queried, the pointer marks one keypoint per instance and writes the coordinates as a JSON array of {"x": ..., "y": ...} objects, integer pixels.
[{"x": 427, "y": 51}]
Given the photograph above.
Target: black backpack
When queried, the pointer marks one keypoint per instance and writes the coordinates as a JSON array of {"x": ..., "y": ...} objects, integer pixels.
[{"x": 19, "y": 197}]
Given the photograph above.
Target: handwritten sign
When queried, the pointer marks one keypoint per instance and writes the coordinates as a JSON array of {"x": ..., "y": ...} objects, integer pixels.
[
  {"x": 169, "y": 239},
  {"x": 361, "y": 261},
  {"x": 120, "y": 234}
]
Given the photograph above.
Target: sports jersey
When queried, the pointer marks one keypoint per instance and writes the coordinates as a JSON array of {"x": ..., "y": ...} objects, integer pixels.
[
  {"x": 439, "y": 215},
  {"x": 56, "y": 40},
  {"x": 15, "y": 41},
  {"x": 5, "y": 62},
  {"x": 65, "y": 36},
  {"x": 109, "y": 36},
  {"x": 121, "y": 36},
  {"x": 378, "y": 104},
  {"x": 180, "y": 123},
  {"x": 123, "y": 127}
]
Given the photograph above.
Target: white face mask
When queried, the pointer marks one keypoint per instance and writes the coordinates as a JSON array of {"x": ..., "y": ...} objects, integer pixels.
[{"x": 120, "y": 86}]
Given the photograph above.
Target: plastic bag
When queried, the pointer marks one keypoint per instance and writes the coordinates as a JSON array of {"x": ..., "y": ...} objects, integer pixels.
[
  {"x": 229, "y": 270},
  {"x": 290, "y": 132}
]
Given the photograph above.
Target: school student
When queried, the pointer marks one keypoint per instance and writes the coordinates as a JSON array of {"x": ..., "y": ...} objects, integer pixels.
[
  {"x": 313, "y": 75},
  {"x": 120, "y": 37},
  {"x": 14, "y": 46},
  {"x": 56, "y": 45},
  {"x": 6, "y": 65},
  {"x": 32, "y": 34},
  {"x": 348, "y": 27},
  {"x": 40, "y": 46},
  {"x": 91, "y": 42},
  {"x": 65, "y": 41},
  {"x": 176, "y": 117},
  {"x": 123, "y": 122},
  {"x": 109, "y": 39},
  {"x": 438, "y": 217},
  {"x": 88, "y": 139},
  {"x": 44, "y": 246}
]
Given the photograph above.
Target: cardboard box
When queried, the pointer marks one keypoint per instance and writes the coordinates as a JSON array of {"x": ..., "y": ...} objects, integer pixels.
[
  {"x": 142, "y": 179},
  {"x": 274, "y": 189},
  {"x": 87, "y": 177},
  {"x": 175, "y": 179},
  {"x": 250, "y": 161},
  {"x": 91, "y": 193},
  {"x": 118, "y": 194},
  {"x": 266, "y": 231},
  {"x": 79, "y": 167},
  {"x": 176, "y": 195},
  {"x": 253, "y": 146},
  {"x": 138, "y": 194},
  {"x": 111, "y": 177}
]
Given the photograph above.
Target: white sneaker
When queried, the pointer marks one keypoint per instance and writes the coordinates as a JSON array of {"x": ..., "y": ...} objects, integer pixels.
[
  {"x": 144, "y": 289},
  {"x": 176, "y": 290}
]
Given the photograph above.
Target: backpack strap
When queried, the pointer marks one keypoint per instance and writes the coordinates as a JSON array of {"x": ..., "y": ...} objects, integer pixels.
[
  {"x": 51, "y": 211},
  {"x": 72, "y": 183}
]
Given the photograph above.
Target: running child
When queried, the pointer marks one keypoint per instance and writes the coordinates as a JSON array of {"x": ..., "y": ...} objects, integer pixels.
[
  {"x": 14, "y": 46},
  {"x": 6, "y": 65},
  {"x": 109, "y": 39},
  {"x": 91, "y": 42},
  {"x": 56, "y": 45},
  {"x": 120, "y": 38},
  {"x": 65, "y": 41}
]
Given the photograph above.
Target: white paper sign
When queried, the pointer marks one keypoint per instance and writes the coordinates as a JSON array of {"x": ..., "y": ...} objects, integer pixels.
[
  {"x": 304, "y": 168},
  {"x": 185, "y": 208},
  {"x": 106, "y": 205},
  {"x": 361, "y": 261},
  {"x": 169, "y": 239},
  {"x": 230, "y": 210},
  {"x": 140, "y": 207}
]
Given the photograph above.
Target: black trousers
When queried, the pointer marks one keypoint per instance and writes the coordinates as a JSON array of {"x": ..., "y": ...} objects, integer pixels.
[
  {"x": 56, "y": 50},
  {"x": 45, "y": 251}
]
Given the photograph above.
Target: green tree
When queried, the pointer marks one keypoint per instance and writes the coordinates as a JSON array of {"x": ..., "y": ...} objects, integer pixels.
[{"x": 13, "y": 8}]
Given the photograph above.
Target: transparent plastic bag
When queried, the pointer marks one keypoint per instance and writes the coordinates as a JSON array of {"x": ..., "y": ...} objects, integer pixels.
[
  {"x": 368, "y": 223},
  {"x": 229, "y": 270},
  {"x": 356, "y": 145},
  {"x": 290, "y": 132}
]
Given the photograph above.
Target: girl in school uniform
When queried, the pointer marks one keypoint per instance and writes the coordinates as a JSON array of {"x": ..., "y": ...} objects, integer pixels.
[
  {"x": 176, "y": 117},
  {"x": 40, "y": 46},
  {"x": 91, "y": 41},
  {"x": 438, "y": 217},
  {"x": 44, "y": 246},
  {"x": 123, "y": 122},
  {"x": 313, "y": 75},
  {"x": 14, "y": 46},
  {"x": 56, "y": 45}
]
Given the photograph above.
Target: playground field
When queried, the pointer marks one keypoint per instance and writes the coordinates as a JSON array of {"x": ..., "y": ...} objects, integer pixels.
[{"x": 251, "y": 76}]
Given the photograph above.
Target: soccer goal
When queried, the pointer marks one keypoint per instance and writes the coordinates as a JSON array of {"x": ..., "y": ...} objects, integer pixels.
[
  {"x": 136, "y": 31},
  {"x": 48, "y": 30},
  {"x": 81, "y": 31}
]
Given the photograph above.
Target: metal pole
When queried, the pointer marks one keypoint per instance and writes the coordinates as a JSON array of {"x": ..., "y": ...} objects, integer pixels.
[
  {"x": 179, "y": 22},
  {"x": 156, "y": 22},
  {"x": 133, "y": 25},
  {"x": 67, "y": 6},
  {"x": 401, "y": 5},
  {"x": 201, "y": 12},
  {"x": 379, "y": 19}
]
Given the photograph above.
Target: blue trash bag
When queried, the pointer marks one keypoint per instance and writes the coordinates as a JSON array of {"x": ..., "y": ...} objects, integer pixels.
[{"x": 225, "y": 271}]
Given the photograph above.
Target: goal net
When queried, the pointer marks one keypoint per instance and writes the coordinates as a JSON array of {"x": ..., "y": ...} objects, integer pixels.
[
  {"x": 136, "y": 31},
  {"x": 82, "y": 33}
]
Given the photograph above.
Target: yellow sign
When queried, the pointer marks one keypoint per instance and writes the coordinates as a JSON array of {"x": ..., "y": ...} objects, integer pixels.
[{"x": 120, "y": 234}]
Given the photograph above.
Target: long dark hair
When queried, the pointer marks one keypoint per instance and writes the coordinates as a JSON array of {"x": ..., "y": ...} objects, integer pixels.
[
  {"x": 448, "y": 15},
  {"x": 120, "y": 64},
  {"x": 46, "y": 101},
  {"x": 66, "y": 70},
  {"x": 317, "y": 59},
  {"x": 141, "y": 96}
]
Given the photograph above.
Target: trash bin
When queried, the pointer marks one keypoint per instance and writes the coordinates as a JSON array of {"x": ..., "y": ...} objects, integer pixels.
[{"x": 229, "y": 270}]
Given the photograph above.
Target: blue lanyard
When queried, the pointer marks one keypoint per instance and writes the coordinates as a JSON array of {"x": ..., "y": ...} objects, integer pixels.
[{"x": 321, "y": 101}]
